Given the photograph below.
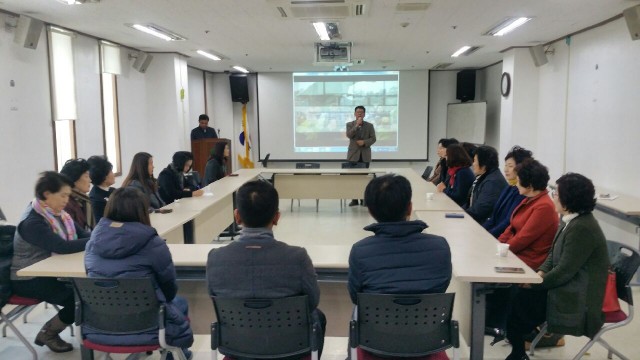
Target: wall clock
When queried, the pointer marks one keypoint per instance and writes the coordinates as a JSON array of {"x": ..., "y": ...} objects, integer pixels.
[{"x": 505, "y": 84}]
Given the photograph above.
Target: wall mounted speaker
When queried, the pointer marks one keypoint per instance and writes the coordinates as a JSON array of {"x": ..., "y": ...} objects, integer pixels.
[
  {"x": 632, "y": 17},
  {"x": 239, "y": 88},
  {"x": 466, "y": 85},
  {"x": 538, "y": 55},
  {"x": 28, "y": 32},
  {"x": 143, "y": 60}
]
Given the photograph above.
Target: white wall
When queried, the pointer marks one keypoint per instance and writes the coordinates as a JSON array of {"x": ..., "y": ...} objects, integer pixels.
[
  {"x": 196, "y": 96},
  {"x": 26, "y": 136},
  {"x": 489, "y": 80}
]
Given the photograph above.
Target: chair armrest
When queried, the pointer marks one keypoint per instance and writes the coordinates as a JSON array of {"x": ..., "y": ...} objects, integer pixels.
[
  {"x": 353, "y": 334},
  {"x": 214, "y": 336},
  {"x": 455, "y": 334},
  {"x": 315, "y": 330},
  {"x": 161, "y": 311}
]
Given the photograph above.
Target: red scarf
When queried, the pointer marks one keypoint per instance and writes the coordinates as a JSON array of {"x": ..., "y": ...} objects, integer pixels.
[{"x": 452, "y": 174}]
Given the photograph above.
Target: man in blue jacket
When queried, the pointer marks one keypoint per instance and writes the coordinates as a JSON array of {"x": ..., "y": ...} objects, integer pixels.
[{"x": 398, "y": 258}]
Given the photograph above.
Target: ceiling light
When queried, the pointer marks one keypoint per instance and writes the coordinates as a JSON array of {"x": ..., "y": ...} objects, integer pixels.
[
  {"x": 209, "y": 55},
  {"x": 461, "y": 51},
  {"x": 507, "y": 26},
  {"x": 159, "y": 32},
  {"x": 321, "y": 29},
  {"x": 241, "y": 69},
  {"x": 77, "y": 2}
]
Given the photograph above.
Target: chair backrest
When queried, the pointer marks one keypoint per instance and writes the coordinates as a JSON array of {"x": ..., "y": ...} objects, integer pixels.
[
  {"x": 117, "y": 306},
  {"x": 263, "y": 328},
  {"x": 307, "y": 165},
  {"x": 625, "y": 261},
  {"x": 6, "y": 254},
  {"x": 405, "y": 325},
  {"x": 351, "y": 165},
  {"x": 427, "y": 172}
]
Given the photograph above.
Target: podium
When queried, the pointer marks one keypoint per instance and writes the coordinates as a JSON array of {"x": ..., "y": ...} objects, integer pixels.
[{"x": 201, "y": 149}]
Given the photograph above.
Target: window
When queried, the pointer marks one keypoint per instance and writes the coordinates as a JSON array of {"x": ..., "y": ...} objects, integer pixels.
[
  {"x": 110, "y": 66},
  {"x": 63, "y": 92}
]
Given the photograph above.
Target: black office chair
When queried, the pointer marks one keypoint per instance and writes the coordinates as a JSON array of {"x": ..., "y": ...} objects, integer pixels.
[
  {"x": 120, "y": 307},
  {"x": 401, "y": 326},
  {"x": 264, "y": 328},
  {"x": 625, "y": 261},
  {"x": 427, "y": 172},
  {"x": 307, "y": 165}
]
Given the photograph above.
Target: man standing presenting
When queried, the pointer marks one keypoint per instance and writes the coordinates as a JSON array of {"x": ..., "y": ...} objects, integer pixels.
[
  {"x": 203, "y": 131},
  {"x": 361, "y": 136}
]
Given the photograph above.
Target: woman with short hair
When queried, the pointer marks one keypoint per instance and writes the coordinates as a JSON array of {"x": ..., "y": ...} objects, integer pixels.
[
  {"x": 487, "y": 186},
  {"x": 102, "y": 177},
  {"x": 574, "y": 275},
  {"x": 172, "y": 181},
  {"x": 124, "y": 245},
  {"x": 79, "y": 205},
  {"x": 459, "y": 176},
  {"x": 141, "y": 177},
  {"x": 44, "y": 229}
]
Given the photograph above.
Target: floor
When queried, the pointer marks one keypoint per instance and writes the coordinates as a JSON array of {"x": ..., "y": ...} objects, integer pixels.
[{"x": 316, "y": 225}]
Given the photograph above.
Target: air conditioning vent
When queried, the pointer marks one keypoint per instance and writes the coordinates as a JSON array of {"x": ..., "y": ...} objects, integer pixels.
[
  {"x": 402, "y": 7},
  {"x": 441, "y": 66},
  {"x": 320, "y": 9},
  {"x": 330, "y": 53}
]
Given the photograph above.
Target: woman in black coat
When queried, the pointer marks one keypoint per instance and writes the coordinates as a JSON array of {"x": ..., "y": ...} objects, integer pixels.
[
  {"x": 171, "y": 179},
  {"x": 216, "y": 167}
]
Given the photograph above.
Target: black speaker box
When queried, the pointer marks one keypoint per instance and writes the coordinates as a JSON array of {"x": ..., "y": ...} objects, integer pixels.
[
  {"x": 239, "y": 88},
  {"x": 466, "y": 85}
]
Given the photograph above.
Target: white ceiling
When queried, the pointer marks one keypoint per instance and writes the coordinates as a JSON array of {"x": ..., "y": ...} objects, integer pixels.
[{"x": 252, "y": 33}]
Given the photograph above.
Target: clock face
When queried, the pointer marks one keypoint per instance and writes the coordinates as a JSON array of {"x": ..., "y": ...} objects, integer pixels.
[{"x": 505, "y": 84}]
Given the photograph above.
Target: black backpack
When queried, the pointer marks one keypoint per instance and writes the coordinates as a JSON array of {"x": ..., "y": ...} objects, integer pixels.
[{"x": 6, "y": 254}]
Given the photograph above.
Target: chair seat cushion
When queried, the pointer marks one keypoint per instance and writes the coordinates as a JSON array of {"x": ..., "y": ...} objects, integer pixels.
[
  {"x": 19, "y": 300},
  {"x": 365, "y": 355},
  {"x": 119, "y": 349},
  {"x": 614, "y": 316}
]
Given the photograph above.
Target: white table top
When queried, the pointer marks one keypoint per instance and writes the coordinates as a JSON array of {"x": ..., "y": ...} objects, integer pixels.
[
  {"x": 473, "y": 250},
  {"x": 164, "y": 223},
  {"x": 625, "y": 204}
]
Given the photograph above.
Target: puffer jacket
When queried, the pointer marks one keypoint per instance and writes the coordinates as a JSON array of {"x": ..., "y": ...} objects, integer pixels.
[
  {"x": 399, "y": 259},
  {"x": 134, "y": 250}
]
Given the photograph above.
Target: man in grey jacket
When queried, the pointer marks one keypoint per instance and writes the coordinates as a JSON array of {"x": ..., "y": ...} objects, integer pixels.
[
  {"x": 256, "y": 265},
  {"x": 361, "y": 136}
]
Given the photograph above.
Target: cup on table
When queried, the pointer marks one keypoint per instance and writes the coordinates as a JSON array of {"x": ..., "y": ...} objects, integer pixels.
[
  {"x": 430, "y": 196},
  {"x": 503, "y": 250}
]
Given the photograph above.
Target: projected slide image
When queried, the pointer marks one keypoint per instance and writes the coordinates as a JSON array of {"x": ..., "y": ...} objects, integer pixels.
[{"x": 324, "y": 103}]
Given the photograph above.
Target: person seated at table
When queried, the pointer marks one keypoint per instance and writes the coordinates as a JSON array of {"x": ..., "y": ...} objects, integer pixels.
[
  {"x": 124, "y": 245},
  {"x": 470, "y": 148},
  {"x": 440, "y": 172},
  {"x": 101, "y": 174},
  {"x": 530, "y": 233},
  {"x": 510, "y": 196},
  {"x": 44, "y": 229},
  {"x": 216, "y": 167},
  {"x": 574, "y": 275},
  {"x": 534, "y": 221},
  {"x": 459, "y": 175},
  {"x": 488, "y": 185},
  {"x": 141, "y": 177},
  {"x": 79, "y": 205},
  {"x": 414, "y": 262},
  {"x": 256, "y": 265},
  {"x": 172, "y": 181}
]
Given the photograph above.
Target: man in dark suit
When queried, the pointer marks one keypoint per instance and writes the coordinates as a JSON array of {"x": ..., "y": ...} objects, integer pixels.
[
  {"x": 203, "y": 131},
  {"x": 361, "y": 136}
]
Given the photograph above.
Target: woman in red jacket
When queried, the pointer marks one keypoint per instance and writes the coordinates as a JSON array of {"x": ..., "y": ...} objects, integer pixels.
[{"x": 534, "y": 222}]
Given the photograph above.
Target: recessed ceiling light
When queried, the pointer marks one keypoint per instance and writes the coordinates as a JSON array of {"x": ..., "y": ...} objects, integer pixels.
[
  {"x": 241, "y": 69},
  {"x": 157, "y": 31},
  {"x": 321, "y": 29},
  {"x": 461, "y": 51},
  {"x": 507, "y": 25},
  {"x": 209, "y": 55}
]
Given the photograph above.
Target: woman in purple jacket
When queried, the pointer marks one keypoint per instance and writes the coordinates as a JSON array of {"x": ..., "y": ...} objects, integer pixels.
[{"x": 124, "y": 245}]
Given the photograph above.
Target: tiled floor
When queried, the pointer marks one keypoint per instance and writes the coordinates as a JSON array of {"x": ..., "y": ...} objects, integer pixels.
[{"x": 305, "y": 219}]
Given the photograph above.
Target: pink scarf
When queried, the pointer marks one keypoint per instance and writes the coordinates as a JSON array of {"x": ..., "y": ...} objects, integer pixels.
[{"x": 45, "y": 211}]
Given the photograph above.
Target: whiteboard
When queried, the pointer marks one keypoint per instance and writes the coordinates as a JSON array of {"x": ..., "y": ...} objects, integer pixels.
[{"x": 467, "y": 121}]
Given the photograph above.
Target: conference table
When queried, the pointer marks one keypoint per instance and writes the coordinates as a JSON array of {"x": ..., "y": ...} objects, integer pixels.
[{"x": 473, "y": 249}]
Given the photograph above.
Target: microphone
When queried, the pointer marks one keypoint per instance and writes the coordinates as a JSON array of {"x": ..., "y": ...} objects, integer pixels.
[{"x": 218, "y": 132}]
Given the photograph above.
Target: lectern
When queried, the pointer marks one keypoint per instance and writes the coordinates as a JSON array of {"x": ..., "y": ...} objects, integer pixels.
[{"x": 201, "y": 150}]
